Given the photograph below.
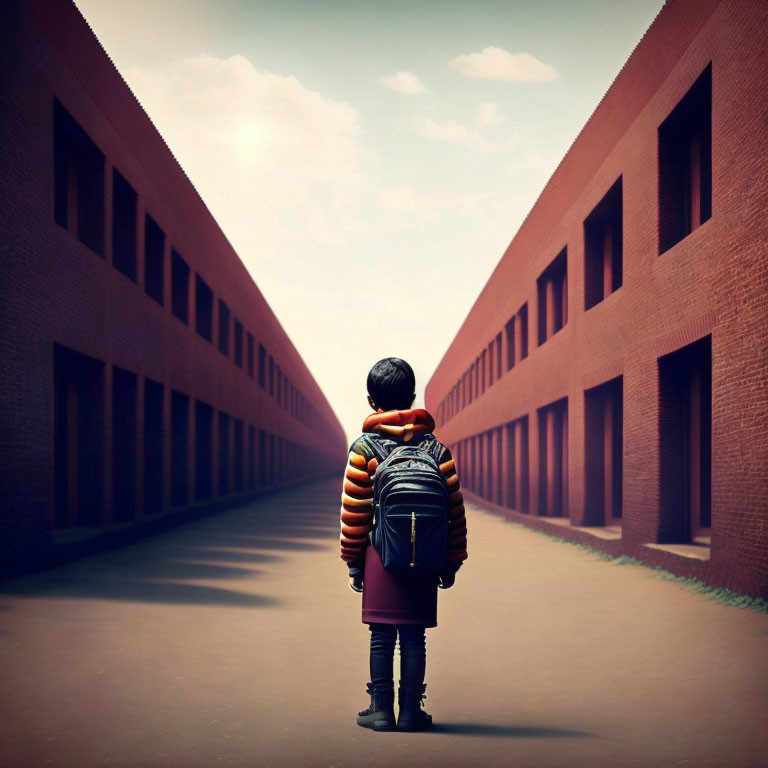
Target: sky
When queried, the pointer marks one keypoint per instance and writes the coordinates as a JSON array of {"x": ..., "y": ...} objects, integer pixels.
[{"x": 369, "y": 161}]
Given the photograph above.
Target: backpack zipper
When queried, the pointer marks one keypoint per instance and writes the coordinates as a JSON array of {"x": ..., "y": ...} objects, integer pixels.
[{"x": 413, "y": 539}]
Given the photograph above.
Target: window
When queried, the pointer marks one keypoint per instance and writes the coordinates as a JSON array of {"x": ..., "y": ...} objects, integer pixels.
[
  {"x": 262, "y": 366},
  {"x": 553, "y": 459},
  {"x": 179, "y": 449},
  {"x": 223, "y": 328},
  {"x": 203, "y": 308},
  {"x": 238, "y": 343},
  {"x": 179, "y": 287},
  {"x": 123, "y": 226},
  {"x": 516, "y": 331},
  {"x": 603, "y": 247},
  {"x": 553, "y": 297},
  {"x": 78, "y": 181},
  {"x": 154, "y": 245},
  {"x": 685, "y": 164}
]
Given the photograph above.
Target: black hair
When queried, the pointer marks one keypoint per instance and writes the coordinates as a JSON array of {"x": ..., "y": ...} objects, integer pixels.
[{"x": 391, "y": 384}]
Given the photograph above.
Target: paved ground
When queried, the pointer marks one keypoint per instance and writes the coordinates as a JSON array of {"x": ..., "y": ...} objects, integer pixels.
[{"x": 236, "y": 641}]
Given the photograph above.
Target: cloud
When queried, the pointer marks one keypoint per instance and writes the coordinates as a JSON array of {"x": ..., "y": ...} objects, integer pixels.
[
  {"x": 451, "y": 132},
  {"x": 271, "y": 158},
  {"x": 488, "y": 114},
  {"x": 494, "y": 63},
  {"x": 403, "y": 82}
]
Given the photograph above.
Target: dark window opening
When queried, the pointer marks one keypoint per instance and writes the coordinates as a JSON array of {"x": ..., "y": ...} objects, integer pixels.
[
  {"x": 603, "y": 433},
  {"x": 685, "y": 164},
  {"x": 553, "y": 459},
  {"x": 203, "y": 450},
  {"x": 251, "y": 457},
  {"x": 239, "y": 456},
  {"x": 223, "y": 328},
  {"x": 238, "y": 341},
  {"x": 179, "y": 287},
  {"x": 553, "y": 297},
  {"x": 78, "y": 181},
  {"x": 153, "y": 447},
  {"x": 498, "y": 355},
  {"x": 516, "y": 435},
  {"x": 262, "y": 458},
  {"x": 250, "y": 355},
  {"x": 125, "y": 425},
  {"x": 154, "y": 247},
  {"x": 123, "y": 226},
  {"x": 271, "y": 376},
  {"x": 262, "y": 366},
  {"x": 203, "y": 309},
  {"x": 79, "y": 431},
  {"x": 179, "y": 449},
  {"x": 603, "y": 245},
  {"x": 223, "y": 454},
  {"x": 685, "y": 433}
]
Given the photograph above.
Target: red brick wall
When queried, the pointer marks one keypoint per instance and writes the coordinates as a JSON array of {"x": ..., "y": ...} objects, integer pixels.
[
  {"x": 714, "y": 282},
  {"x": 54, "y": 289}
]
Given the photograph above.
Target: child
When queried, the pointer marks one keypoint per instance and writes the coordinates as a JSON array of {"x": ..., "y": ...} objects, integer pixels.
[{"x": 392, "y": 603}]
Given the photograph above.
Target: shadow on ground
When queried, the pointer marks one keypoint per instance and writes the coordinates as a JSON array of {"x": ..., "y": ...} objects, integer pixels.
[
  {"x": 491, "y": 730},
  {"x": 159, "y": 568}
]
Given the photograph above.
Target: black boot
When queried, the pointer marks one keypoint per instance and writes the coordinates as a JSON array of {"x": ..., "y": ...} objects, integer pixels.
[
  {"x": 411, "y": 716},
  {"x": 381, "y": 714}
]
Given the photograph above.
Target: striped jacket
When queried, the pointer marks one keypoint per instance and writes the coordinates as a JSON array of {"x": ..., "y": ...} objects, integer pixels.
[{"x": 357, "y": 493}]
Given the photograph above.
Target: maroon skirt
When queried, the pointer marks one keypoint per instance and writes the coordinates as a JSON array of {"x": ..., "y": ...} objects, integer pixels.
[{"x": 394, "y": 599}]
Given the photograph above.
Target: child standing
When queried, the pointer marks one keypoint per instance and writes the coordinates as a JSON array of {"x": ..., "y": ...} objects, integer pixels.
[{"x": 395, "y": 605}]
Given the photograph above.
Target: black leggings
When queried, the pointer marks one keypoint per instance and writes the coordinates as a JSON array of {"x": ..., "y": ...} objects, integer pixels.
[{"x": 413, "y": 653}]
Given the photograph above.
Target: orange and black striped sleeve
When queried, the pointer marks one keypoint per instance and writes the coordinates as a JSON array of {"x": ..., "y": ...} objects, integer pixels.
[
  {"x": 457, "y": 531},
  {"x": 356, "y": 506}
]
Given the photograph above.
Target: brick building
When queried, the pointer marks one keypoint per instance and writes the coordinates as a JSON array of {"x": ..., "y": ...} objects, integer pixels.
[
  {"x": 610, "y": 383},
  {"x": 144, "y": 378}
]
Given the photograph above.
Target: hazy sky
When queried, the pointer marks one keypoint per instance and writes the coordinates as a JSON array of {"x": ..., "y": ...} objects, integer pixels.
[{"x": 369, "y": 161}]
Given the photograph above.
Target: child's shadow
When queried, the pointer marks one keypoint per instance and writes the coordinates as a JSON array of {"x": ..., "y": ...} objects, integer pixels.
[{"x": 507, "y": 731}]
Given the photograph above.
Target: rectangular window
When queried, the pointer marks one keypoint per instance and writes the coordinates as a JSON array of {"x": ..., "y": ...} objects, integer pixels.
[
  {"x": 685, "y": 164},
  {"x": 79, "y": 433},
  {"x": 123, "y": 226},
  {"x": 239, "y": 457},
  {"x": 179, "y": 287},
  {"x": 509, "y": 330},
  {"x": 203, "y": 309},
  {"x": 553, "y": 297},
  {"x": 238, "y": 339},
  {"x": 223, "y": 328},
  {"x": 685, "y": 440},
  {"x": 522, "y": 321},
  {"x": 497, "y": 350},
  {"x": 553, "y": 459},
  {"x": 603, "y": 428},
  {"x": 179, "y": 449},
  {"x": 124, "y": 444},
  {"x": 154, "y": 247},
  {"x": 223, "y": 454},
  {"x": 153, "y": 448},
  {"x": 251, "y": 457},
  {"x": 271, "y": 376},
  {"x": 262, "y": 457},
  {"x": 203, "y": 450},
  {"x": 603, "y": 247},
  {"x": 483, "y": 371},
  {"x": 516, "y": 435},
  {"x": 78, "y": 181},
  {"x": 250, "y": 355},
  {"x": 279, "y": 386},
  {"x": 262, "y": 367}
]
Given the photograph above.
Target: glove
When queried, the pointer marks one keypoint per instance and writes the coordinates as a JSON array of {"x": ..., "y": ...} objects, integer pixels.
[
  {"x": 448, "y": 575},
  {"x": 446, "y": 580}
]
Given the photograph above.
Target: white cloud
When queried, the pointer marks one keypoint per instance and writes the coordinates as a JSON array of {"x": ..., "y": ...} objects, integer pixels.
[
  {"x": 403, "y": 82},
  {"x": 488, "y": 114},
  {"x": 494, "y": 63},
  {"x": 455, "y": 133},
  {"x": 263, "y": 150}
]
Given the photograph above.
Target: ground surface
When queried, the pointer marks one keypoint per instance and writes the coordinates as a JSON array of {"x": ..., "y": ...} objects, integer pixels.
[{"x": 235, "y": 641}]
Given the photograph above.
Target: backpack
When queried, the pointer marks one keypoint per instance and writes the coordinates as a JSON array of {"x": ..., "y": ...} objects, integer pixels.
[{"x": 410, "y": 505}]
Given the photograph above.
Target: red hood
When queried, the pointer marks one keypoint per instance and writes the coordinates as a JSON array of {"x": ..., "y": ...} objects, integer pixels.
[{"x": 400, "y": 425}]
